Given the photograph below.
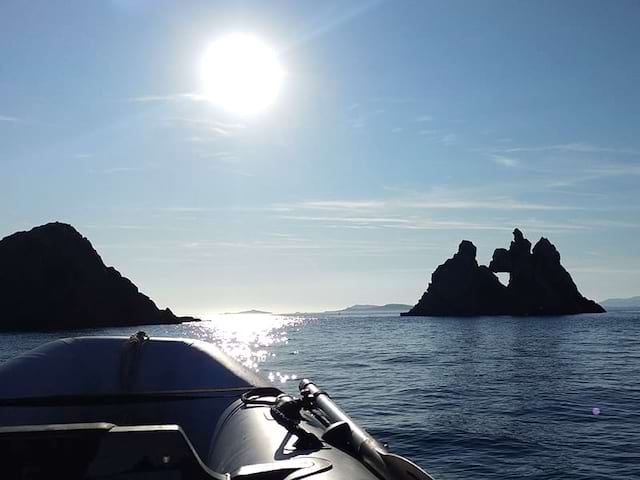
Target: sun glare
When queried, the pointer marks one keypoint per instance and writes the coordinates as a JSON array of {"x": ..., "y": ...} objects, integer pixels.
[{"x": 241, "y": 74}]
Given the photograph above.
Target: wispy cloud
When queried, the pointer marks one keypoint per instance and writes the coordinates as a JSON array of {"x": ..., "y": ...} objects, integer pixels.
[
  {"x": 613, "y": 169},
  {"x": 225, "y": 129},
  {"x": 449, "y": 139},
  {"x": 227, "y": 162},
  {"x": 503, "y": 161},
  {"x": 437, "y": 199},
  {"x": 424, "y": 118},
  {"x": 115, "y": 170},
  {"x": 573, "y": 147},
  {"x": 358, "y": 122},
  {"x": 341, "y": 205},
  {"x": 195, "y": 139},
  {"x": 10, "y": 119},
  {"x": 174, "y": 97},
  {"x": 359, "y": 220},
  {"x": 360, "y": 115},
  {"x": 424, "y": 211},
  {"x": 428, "y": 132},
  {"x": 392, "y": 100},
  {"x": 222, "y": 156},
  {"x": 425, "y": 223},
  {"x": 605, "y": 270},
  {"x": 112, "y": 226},
  {"x": 236, "y": 171},
  {"x": 203, "y": 250},
  {"x": 491, "y": 203},
  {"x": 180, "y": 209},
  {"x": 598, "y": 173}
]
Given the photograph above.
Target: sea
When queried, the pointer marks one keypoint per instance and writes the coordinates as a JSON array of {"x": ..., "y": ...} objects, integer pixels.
[{"x": 465, "y": 398}]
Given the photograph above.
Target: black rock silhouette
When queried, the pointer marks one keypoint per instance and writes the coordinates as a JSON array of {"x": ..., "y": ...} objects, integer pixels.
[
  {"x": 538, "y": 284},
  {"x": 51, "y": 278},
  {"x": 459, "y": 287}
]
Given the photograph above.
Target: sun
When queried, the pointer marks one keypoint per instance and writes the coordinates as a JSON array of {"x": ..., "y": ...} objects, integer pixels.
[{"x": 241, "y": 74}]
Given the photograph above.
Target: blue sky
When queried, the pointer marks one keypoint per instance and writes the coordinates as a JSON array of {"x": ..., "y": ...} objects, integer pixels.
[{"x": 401, "y": 129}]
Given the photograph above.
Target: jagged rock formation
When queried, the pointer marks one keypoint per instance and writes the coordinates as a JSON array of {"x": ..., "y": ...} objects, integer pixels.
[
  {"x": 51, "y": 278},
  {"x": 538, "y": 284}
]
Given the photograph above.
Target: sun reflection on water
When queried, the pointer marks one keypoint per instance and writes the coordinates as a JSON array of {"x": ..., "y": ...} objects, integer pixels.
[{"x": 249, "y": 338}]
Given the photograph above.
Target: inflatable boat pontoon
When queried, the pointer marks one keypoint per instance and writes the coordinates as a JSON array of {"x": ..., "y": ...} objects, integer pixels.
[{"x": 139, "y": 408}]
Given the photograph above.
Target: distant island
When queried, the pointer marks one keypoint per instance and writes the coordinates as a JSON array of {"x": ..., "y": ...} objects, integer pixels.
[
  {"x": 51, "y": 278},
  {"x": 538, "y": 284},
  {"x": 389, "y": 308},
  {"x": 632, "y": 302},
  {"x": 249, "y": 312},
  {"x": 368, "y": 309}
]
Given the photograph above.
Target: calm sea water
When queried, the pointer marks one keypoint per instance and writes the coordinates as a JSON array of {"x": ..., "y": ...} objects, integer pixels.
[{"x": 481, "y": 398}]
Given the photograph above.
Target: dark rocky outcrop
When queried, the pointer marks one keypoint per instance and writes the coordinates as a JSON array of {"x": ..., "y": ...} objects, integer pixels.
[
  {"x": 51, "y": 278},
  {"x": 538, "y": 284}
]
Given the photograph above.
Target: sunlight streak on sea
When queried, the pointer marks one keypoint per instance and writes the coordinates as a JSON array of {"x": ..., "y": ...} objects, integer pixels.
[{"x": 249, "y": 338}]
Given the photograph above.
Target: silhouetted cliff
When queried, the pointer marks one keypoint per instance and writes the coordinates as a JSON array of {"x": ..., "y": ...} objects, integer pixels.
[
  {"x": 51, "y": 278},
  {"x": 538, "y": 284}
]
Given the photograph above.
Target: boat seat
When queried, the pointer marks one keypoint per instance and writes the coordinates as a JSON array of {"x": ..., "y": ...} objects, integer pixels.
[{"x": 99, "y": 450}]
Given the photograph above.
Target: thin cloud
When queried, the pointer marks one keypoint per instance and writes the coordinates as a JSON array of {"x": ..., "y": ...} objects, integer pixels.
[
  {"x": 10, "y": 119},
  {"x": 439, "y": 199},
  {"x": 497, "y": 203},
  {"x": 123, "y": 169},
  {"x": 604, "y": 223},
  {"x": 234, "y": 171},
  {"x": 224, "y": 156},
  {"x": 283, "y": 245},
  {"x": 418, "y": 224},
  {"x": 617, "y": 170},
  {"x": 224, "y": 129},
  {"x": 115, "y": 170},
  {"x": 390, "y": 100},
  {"x": 574, "y": 147},
  {"x": 503, "y": 161},
  {"x": 606, "y": 270},
  {"x": 597, "y": 173},
  {"x": 341, "y": 205},
  {"x": 114, "y": 226},
  {"x": 360, "y": 220},
  {"x": 428, "y": 132},
  {"x": 449, "y": 139},
  {"x": 184, "y": 209},
  {"x": 358, "y": 122},
  {"x": 424, "y": 118},
  {"x": 175, "y": 97},
  {"x": 425, "y": 211},
  {"x": 360, "y": 116}
]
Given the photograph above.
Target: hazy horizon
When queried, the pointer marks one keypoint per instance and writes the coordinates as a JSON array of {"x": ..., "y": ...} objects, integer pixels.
[{"x": 398, "y": 131}]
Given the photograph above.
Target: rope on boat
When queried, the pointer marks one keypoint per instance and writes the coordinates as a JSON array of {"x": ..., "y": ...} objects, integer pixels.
[
  {"x": 261, "y": 396},
  {"x": 129, "y": 397}
]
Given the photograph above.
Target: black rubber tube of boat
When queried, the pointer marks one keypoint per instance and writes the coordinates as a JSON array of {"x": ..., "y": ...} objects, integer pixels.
[{"x": 363, "y": 445}]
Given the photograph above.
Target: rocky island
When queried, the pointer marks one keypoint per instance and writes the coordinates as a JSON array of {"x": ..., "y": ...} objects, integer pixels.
[
  {"x": 538, "y": 284},
  {"x": 51, "y": 278}
]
